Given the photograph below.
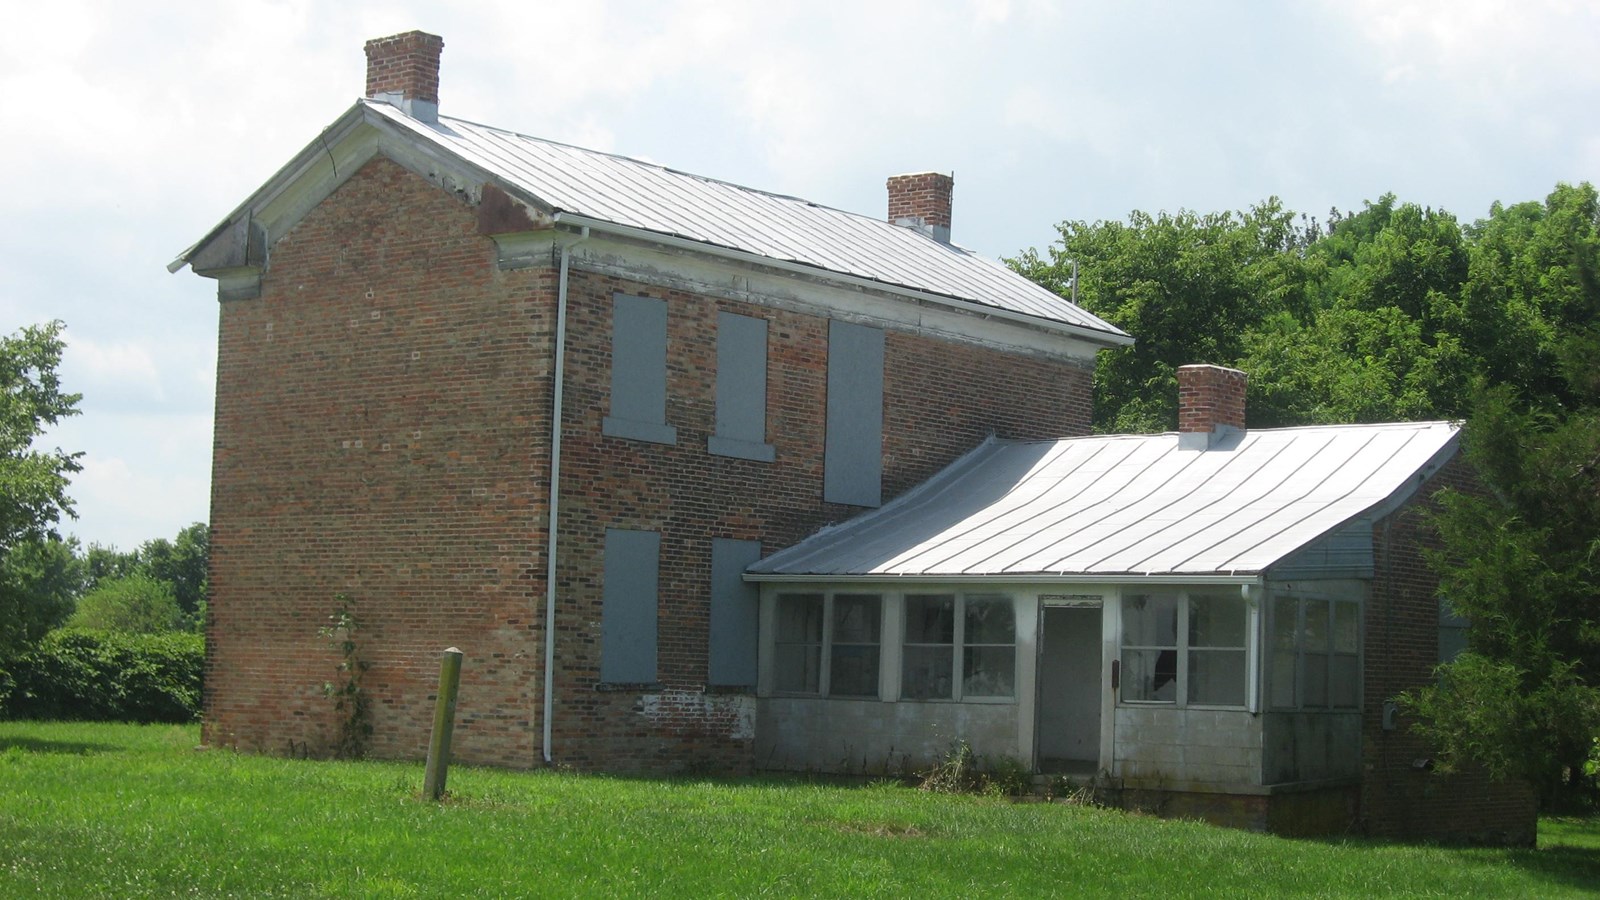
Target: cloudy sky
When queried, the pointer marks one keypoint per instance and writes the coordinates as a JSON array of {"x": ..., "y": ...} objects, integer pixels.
[{"x": 135, "y": 127}]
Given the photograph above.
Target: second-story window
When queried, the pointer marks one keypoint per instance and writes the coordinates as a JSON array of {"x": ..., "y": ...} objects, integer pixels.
[
  {"x": 741, "y": 389},
  {"x": 852, "y": 456},
  {"x": 639, "y": 371}
]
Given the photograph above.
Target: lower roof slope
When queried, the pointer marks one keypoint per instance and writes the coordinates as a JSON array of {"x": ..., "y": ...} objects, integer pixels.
[{"x": 1128, "y": 505}]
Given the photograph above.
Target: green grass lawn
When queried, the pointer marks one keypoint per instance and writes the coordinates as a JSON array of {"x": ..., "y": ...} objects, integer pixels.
[{"x": 127, "y": 811}]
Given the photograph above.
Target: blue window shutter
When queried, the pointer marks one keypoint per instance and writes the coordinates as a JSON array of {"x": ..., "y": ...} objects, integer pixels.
[
  {"x": 853, "y": 449},
  {"x": 733, "y": 613},
  {"x": 639, "y": 371},
  {"x": 628, "y": 607},
  {"x": 741, "y": 388}
]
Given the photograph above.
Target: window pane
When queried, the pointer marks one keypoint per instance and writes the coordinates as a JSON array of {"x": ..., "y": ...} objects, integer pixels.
[
  {"x": 853, "y": 671},
  {"x": 1343, "y": 681},
  {"x": 927, "y": 673},
  {"x": 1216, "y": 621},
  {"x": 856, "y": 618},
  {"x": 1150, "y": 621},
  {"x": 989, "y": 672},
  {"x": 1346, "y": 630},
  {"x": 930, "y": 619},
  {"x": 1281, "y": 688},
  {"x": 990, "y": 620},
  {"x": 1150, "y": 675},
  {"x": 1316, "y": 679},
  {"x": 796, "y": 668},
  {"x": 1316, "y": 634},
  {"x": 1285, "y": 620},
  {"x": 1216, "y": 677},
  {"x": 799, "y": 618}
]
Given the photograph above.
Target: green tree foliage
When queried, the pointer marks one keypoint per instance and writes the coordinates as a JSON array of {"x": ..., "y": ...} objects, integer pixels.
[
  {"x": 132, "y": 604},
  {"x": 1189, "y": 287},
  {"x": 181, "y": 563},
  {"x": 39, "y": 582},
  {"x": 33, "y": 483}
]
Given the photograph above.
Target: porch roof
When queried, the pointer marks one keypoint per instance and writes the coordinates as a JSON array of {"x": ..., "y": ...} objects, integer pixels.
[{"x": 1123, "y": 506}]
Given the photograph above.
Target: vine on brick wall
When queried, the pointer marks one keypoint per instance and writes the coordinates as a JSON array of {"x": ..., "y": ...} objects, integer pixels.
[{"x": 349, "y": 701}]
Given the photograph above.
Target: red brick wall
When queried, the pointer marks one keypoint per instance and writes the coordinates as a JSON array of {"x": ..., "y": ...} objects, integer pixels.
[
  {"x": 940, "y": 401},
  {"x": 1402, "y": 649},
  {"x": 380, "y": 424},
  {"x": 382, "y": 432}
]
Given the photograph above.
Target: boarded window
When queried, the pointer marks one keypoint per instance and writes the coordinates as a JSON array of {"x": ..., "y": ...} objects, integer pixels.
[
  {"x": 628, "y": 607},
  {"x": 639, "y": 371},
  {"x": 741, "y": 389},
  {"x": 734, "y": 613},
  {"x": 853, "y": 447}
]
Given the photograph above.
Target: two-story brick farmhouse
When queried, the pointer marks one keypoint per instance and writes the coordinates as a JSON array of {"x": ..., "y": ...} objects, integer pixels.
[{"x": 699, "y": 475}]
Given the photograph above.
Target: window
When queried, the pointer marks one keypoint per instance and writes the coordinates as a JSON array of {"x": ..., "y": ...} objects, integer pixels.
[
  {"x": 733, "y": 613},
  {"x": 1316, "y": 653},
  {"x": 1452, "y": 633},
  {"x": 628, "y": 607},
  {"x": 639, "y": 371},
  {"x": 828, "y": 644},
  {"x": 741, "y": 389},
  {"x": 852, "y": 453},
  {"x": 947, "y": 634},
  {"x": 1188, "y": 649}
]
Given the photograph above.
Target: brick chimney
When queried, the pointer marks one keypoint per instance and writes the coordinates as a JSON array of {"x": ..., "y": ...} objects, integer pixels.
[
  {"x": 1210, "y": 405},
  {"x": 403, "y": 71},
  {"x": 922, "y": 201}
]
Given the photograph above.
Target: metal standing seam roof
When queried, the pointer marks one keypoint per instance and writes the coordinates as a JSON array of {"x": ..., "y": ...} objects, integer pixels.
[
  {"x": 645, "y": 196},
  {"x": 1126, "y": 505}
]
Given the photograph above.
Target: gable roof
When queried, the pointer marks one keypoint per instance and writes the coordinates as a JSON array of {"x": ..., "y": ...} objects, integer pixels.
[
  {"x": 587, "y": 188},
  {"x": 1128, "y": 506}
]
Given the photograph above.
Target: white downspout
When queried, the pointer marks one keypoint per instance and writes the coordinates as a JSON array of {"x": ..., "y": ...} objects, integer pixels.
[{"x": 555, "y": 493}]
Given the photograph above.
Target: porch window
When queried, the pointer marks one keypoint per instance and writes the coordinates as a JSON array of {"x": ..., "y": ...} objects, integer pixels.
[
  {"x": 959, "y": 647},
  {"x": 828, "y": 644},
  {"x": 1316, "y": 653},
  {"x": 1184, "y": 649}
]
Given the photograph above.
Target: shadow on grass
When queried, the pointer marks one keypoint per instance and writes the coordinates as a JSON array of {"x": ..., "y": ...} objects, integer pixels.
[{"x": 66, "y": 748}]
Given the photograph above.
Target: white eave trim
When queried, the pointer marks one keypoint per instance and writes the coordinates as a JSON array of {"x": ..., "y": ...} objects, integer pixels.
[
  {"x": 744, "y": 256},
  {"x": 1254, "y": 578}
]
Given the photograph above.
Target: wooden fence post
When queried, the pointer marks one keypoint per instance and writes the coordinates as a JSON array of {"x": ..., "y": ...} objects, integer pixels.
[{"x": 444, "y": 724}]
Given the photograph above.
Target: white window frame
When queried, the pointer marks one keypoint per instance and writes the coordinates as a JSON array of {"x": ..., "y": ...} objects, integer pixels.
[
  {"x": 825, "y": 662},
  {"x": 959, "y": 645},
  {"x": 1180, "y": 696}
]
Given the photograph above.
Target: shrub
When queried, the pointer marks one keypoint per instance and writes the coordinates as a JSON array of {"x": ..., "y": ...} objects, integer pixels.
[
  {"x": 133, "y": 603},
  {"x": 106, "y": 676}
]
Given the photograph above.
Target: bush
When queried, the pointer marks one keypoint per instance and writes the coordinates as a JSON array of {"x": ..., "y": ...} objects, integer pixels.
[
  {"x": 133, "y": 603},
  {"x": 105, "y": 676}
]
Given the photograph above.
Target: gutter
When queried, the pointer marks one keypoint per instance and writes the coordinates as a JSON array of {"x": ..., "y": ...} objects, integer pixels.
[
  {"x": 1090, "y": 334},
  {"x": 564, "y": 250},
  {"x": 1003, "y": 578}
]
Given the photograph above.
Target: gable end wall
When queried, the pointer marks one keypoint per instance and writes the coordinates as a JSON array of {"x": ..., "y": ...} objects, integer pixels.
[{"x": 1402, "y": 628}]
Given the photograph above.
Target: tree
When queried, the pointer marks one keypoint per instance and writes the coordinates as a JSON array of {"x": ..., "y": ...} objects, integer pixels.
[
  {"x": 1187, "y": 286},
  {"x": 134, "y": 604},
  {"x": 182, "y": 563},
  {"x": 40, "y": 581},
  {"x": 33, "y": 482}
]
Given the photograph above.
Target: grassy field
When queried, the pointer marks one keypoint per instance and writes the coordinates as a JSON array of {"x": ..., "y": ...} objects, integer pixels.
[{"x": 129, "y": 811}]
